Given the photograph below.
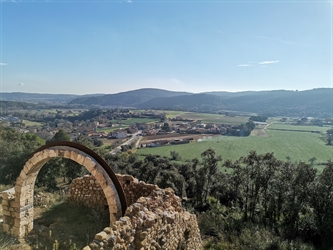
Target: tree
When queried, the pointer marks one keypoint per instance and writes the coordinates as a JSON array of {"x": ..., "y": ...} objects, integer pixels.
[
  {"x": 296, "y": 204},
  {"x": 61, "y": 135},
  {"x": 175, "y": 156},
  {"x": 312, "y": 160},
  {"x": 58, "y": 167},
  {"x": 322, "y": 202},
  {"x": 166, "y": 127},
  {"x": 15, "y": 150},
  {"x": 258, "y": 118},
  {"x": 329, "y": 136},
  {"x": 205, "y": 175}
]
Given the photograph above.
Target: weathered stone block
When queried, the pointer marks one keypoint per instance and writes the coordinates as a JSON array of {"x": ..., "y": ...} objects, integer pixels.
[
  {"x": 89, "y": 164},
  {"x": 101, "y": 236}
]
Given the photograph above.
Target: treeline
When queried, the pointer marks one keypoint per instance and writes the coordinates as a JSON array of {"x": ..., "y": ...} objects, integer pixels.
[
  {"x": 16, "y": 148},
  {"x": 290, "y": 203},
  {"x": 16, "y": 105},
  {"x": 256, "y": 202}
]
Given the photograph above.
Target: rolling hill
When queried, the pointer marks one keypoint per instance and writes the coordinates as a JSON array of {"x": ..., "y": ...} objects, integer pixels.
[
  {"x": 315, "y": 102},
  {"x": 127, "y": 99}
]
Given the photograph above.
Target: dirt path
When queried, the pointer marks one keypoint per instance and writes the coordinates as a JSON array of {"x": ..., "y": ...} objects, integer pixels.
[
  {"x": 261, "y": 131},
  {"x": 268, "y": 125}
]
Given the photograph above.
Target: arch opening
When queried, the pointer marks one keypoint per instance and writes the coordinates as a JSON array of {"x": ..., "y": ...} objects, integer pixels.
[{"x": 22, "y": 217}]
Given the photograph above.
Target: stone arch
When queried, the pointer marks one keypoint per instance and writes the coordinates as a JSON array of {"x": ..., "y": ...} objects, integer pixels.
[{"x": 24, "y": 187}]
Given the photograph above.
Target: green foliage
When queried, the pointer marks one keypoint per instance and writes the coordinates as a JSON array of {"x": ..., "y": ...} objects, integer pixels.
[
  {"x": 166, "y": 127},
  {"x": 260, "y": 202},
  {"x": 175, "y": 156},
  {"x": 17, "y": 105},
  {"x": 15, "y": 149},
  {"x": 64, "y": 168},
  {"x": 258, "y": 118},
  {"x": 61, "y": 135},
  {"x": 329, "y": 136}
]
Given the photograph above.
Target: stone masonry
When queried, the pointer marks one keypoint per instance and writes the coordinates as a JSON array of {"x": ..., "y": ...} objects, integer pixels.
[
  {"x": 154, "y": 219},
  {"x": 86, "y": 190}
]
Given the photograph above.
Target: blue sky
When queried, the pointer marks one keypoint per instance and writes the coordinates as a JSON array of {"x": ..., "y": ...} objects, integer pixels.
[{"x": 82, "y": 47}]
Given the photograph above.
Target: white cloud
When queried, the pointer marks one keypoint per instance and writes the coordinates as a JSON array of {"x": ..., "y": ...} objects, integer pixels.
[
  {"x": 268, "y": 62},
  {"x": 261, "y": 64},
  {"x": 21, "y": 84},
  {"x": 3, "y": 64},
  {"x": 244, "y": 65}
]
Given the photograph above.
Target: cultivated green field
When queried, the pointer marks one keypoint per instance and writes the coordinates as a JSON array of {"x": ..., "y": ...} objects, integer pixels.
[
  {"x": 299, "y": 146},
  {"x": 208, "y": 118},
  {"x": 287, "y": 126},
  {"x": 204, "y": 117},
  {"x": 110, "y": 129},
  {"x": 30, "y": 123},
  {"x": 136, "y": 120}
]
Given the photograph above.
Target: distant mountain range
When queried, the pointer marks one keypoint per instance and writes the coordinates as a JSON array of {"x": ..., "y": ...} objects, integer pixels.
[{"x": 315, "y": 102}]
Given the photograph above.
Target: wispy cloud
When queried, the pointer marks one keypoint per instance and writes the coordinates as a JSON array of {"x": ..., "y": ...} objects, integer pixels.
[
  {"x": 3, "y": 64},
  {"x": 21, "y": 84},
  {"x": 261, "y": 64},
  {"x": 244, "y": 65},
  {"x": 268, "y": 62}
]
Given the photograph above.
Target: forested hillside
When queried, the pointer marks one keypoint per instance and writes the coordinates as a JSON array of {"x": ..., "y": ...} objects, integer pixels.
[
  {"x": 315, "y": 102},
  {"x": 16, "y": 105}
]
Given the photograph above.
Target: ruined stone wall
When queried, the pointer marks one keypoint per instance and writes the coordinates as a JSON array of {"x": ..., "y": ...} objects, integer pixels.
[
  {"x": 14, "y": 212},
  {"x": 86, "y": 190},
  {"x": 134, "y": 189},
  {"x": 154, "y": 219},
  {"x": 8, "y": 197}
]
